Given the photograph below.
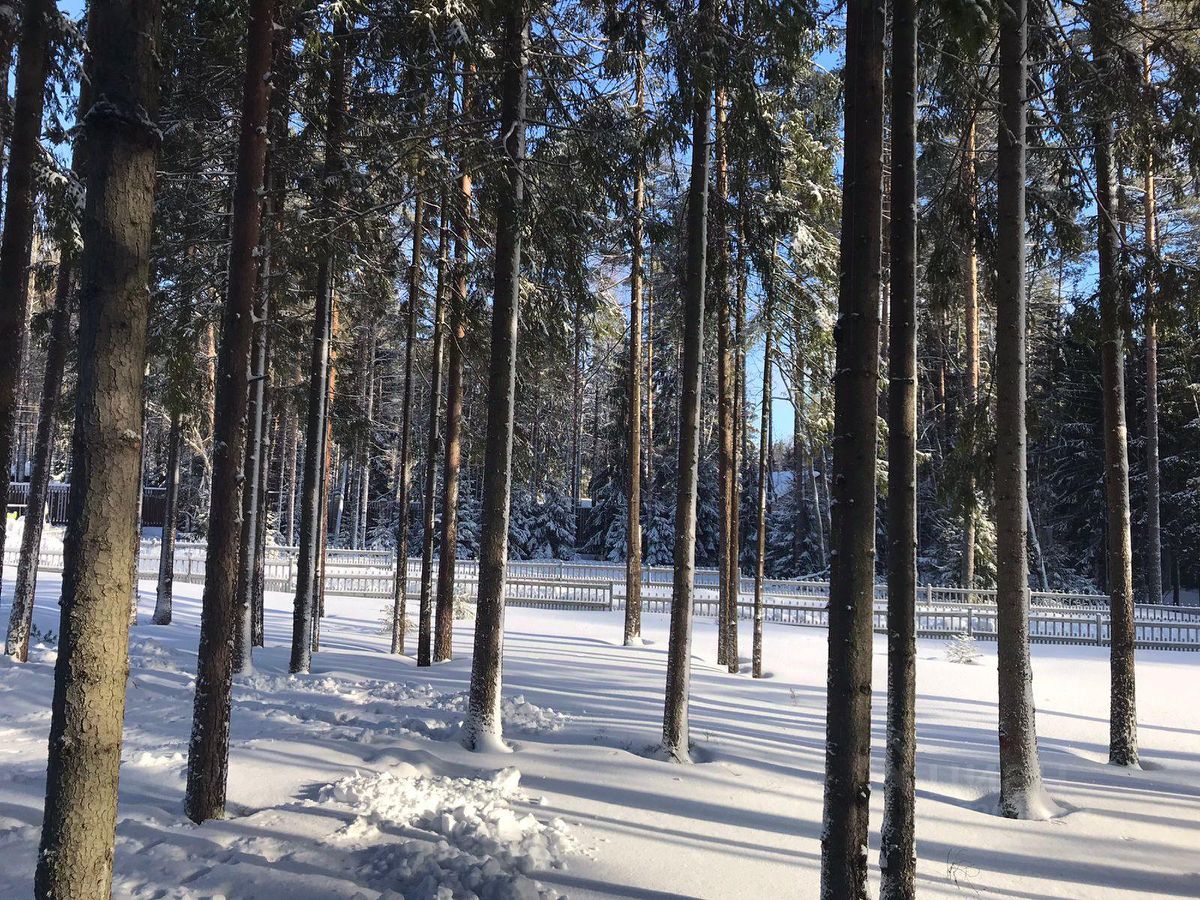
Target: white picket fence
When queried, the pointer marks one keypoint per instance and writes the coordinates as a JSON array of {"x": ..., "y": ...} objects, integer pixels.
[{"x": 942, "y": 611}]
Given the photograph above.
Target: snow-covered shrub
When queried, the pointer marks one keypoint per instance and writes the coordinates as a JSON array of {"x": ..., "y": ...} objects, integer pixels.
[{"x": 963, "y": 649}]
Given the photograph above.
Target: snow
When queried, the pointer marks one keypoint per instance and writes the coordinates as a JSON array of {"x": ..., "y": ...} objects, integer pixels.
[{"x": 351, "y": 782}]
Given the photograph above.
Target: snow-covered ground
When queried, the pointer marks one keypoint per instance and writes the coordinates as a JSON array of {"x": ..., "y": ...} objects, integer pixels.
[{"x": 349, "y": 783}]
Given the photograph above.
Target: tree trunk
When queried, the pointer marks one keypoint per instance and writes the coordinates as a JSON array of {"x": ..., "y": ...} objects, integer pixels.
[
  {"x": 76, "y": 850},
  {"x": 293, "y": 461},
  {"x": 1122, "y": 747},
  {"x": 1021, "y": 791},
  {"x": 327, "y": 457},
  {"x": 21, "y": 619},
  {"x": 258, "y": 574},
  {"x": 971, "y": 328},
  {"x": 727, "y": 474},
  {"x": 852, "y": 534},
  {"x": 432, "y": 439},
  {"x": 16, "y": 244},
  {"x": 400, "y": 583},
  {"x": 633, "y": 552},
  {"x": 676, "y": 743},
  {"x": 305, "y": 608},
  {"x": 1154, "y": 564},
  {"x": 443, "y": 645},
  {"x": 166, "y": 553},
  {"x": 208, "y": 752},
  {"x": 763, "y": 454},
  {"x": 897, "y": 849},
  {"x": 482, "y": 727}
]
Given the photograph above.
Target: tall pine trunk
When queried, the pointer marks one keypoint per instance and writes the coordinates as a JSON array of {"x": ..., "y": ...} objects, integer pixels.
[
  {"x": 971, "y": 330},
  {"x": 852, "y": 534},
  {"x": 1123, "y": 741},
  {"x": 21, "y": 617},
  {"x": 764, "y": 450},
  {"x": 443, "y": 644},
  {"x": 1021, "y": 791},
  {"x": 727, "y": 473},
  {"x": 676, "y": 732},
  {"x": 1154, "y": 563},
  {"x": 432, "y": 439},
  {"x": 633, "y": 552},
  {"x": 1122, "y": 747},
  {"x": 897, "y": 849},
  {"x": 400, "y": 583},
  {"x": 75, "y": 855},
  {"x": 483, "y": 726},
  {"x": 16, "y": 244},
  {"x": 208, "y": 751},
  {"x": 311, "y": 526}
]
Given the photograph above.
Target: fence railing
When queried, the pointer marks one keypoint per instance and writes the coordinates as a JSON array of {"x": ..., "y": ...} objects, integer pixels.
[{"x": 942, "y": 611}]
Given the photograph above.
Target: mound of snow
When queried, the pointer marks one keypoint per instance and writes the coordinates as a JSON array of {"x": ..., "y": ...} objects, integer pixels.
[
  {"x": 479, "y": 845},
  {"x": 517, "y": 713}
]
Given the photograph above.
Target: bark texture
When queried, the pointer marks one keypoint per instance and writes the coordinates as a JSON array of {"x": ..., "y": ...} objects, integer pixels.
[
  {"x": 208, "y": 751},
  {"x": 76, "y": 850},
  {"x": 482, "y": 727},
  {"x": 1021, "y": 791},
  {"x": 897, "y": 849},
  {"x": 852, "y": 535},
  {"x": 676, "y": 734}
]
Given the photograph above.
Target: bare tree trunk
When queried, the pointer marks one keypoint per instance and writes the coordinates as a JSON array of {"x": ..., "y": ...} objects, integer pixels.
[
  {"x": 432, "y": 440},
  {"x": 897, "y": 848},
  {"x": 327, "y": 457},
  {"x": 21, "y": 618},
  {"x": 76, "y": 851},
  {"x": 482, "y": 728},
  {"x": 852, "y": 535},
  {"x": 1021, "y": 791},
  {"x": 166, "y": 557},
  {"x": 16, "y": 244},
  {"x": 577, "y": 415},
  {"x": 1122, "y": 747},
  {"x": 764, "y": 450},
  {"x": 258, "y": 570},
  {"x": 400, "y": 584},
  {"x": 633, "y": 553},
  {"x": 1154, "y": 564},
  {"x": 648, "y": 456},
  {"x": 676, "y": 733},
  {"x": 311, "y": 526},
  {"x": 739, "y": 455},
  {"x": 208, "y": 752},
  {"x": 293, "y": 461},
  {"x": 971, "y": 328},
  {"x": 443, "y": 645},
  {"x": 727, "y": 475}
]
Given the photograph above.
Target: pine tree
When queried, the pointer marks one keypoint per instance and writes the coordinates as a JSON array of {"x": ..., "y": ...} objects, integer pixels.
[
  {"x": 76, "y": 850},
  {"x": 482, "y": 727},
  {"x": 852, "y": 535},
  {"x": 16, "y": 244},
  {"x": 208, "y": 752},
  {"x": 1021, "y": 792},
  {"x": 897, "y": 853}
]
